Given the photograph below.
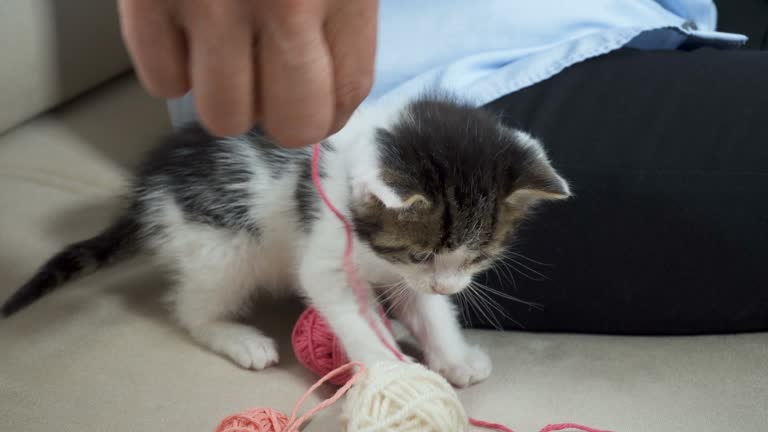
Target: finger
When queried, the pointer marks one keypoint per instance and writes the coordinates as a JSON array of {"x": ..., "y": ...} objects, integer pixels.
[
  {"x": 257, "y": 84},
  {"x": 222, "y": 67},
  {"x": 351, "y": 34},
  {"x": 157, "y": 47},
  {"x": 297, "y": 97}
]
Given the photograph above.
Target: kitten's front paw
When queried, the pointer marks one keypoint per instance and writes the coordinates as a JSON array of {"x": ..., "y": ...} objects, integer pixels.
[
  {"x": 471, "y": 368},
  {"x": 247, "y": 347}
]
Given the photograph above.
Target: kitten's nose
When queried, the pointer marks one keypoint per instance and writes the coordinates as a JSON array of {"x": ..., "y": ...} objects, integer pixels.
[
  {"x": 442, "y": 289},
  {"x": 436, "y": 288},
  {"x": 450, "y": 283}
]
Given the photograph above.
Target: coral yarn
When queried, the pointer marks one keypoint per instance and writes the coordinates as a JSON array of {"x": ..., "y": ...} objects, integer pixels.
[
  {"x": 317, "y": 347},
  {"x": 255, "y": 420}
]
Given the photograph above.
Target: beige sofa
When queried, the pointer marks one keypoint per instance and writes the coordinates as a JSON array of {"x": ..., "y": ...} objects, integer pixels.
[{"x": 101, "y": 354}]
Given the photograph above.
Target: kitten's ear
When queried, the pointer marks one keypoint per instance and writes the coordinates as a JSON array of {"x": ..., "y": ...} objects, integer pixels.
[
  {"x": 371, "y": 189},
  {"x": 539, "y": 182}
]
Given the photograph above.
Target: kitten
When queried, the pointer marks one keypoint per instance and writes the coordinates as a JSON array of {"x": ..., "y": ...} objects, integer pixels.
[{"x": 434, "y": 189}]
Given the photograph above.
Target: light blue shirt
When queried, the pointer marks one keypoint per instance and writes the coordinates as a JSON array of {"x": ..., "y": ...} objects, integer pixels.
[
  {"x": 484, "y": 49},
  {"x": 481, "y": 50}
]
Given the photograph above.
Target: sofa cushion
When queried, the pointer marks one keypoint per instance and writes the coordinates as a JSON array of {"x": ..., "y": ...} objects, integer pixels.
[
  {"x": 53, "y": 50},
  {"x": 101, "y": 354}
]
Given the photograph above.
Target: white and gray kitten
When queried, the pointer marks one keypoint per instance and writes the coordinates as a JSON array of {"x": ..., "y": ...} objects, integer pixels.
[{"x": 434, "y": 188}]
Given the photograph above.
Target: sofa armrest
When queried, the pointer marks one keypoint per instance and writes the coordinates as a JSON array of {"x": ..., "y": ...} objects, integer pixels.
[{"x": 53, "y": 50}]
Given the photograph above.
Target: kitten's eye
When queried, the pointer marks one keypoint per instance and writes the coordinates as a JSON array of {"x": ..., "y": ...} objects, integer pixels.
[
  {"x": 421, "y": 257},
  {"x": 478, "y": 259}
]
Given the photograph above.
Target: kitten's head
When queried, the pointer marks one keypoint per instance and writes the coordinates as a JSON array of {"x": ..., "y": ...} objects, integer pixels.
[{"x": 452, "y": 186}]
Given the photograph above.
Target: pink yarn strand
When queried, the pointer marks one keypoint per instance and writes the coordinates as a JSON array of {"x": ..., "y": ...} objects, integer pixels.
[
  {"x": 294, "y": 424},
  {"x": 489, "y": 425},
  {"x": 349, "y": 266},
  {"x": 277, "y": 421},
  {"x": 362, "y": 297},
  {"x": 564, "y": 426}
]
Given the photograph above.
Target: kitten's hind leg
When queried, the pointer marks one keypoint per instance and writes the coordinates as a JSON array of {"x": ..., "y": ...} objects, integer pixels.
[{"x": 216, "y": 279}]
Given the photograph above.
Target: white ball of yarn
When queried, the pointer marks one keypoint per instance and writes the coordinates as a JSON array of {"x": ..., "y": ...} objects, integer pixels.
[{"x": 402, "y": 397}]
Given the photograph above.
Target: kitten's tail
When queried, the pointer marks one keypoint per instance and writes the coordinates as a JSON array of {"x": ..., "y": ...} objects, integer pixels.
[{"x": 77, "y": 259}]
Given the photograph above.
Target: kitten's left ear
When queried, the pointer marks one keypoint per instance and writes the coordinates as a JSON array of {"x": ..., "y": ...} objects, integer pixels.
[
  {"x": 371, "y": 188},
  {"x": 539, "y": 182}
]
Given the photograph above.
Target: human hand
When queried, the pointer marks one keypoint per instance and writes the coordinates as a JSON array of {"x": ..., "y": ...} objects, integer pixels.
[{"x": 299, "y": 68}]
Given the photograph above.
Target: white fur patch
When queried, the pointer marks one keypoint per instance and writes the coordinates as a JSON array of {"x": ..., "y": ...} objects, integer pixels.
[{"x": 527, "y": 140}]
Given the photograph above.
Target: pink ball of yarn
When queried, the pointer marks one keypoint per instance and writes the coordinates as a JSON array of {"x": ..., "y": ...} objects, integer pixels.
[
  {"x": 318, "y": 348},
  {"x": 255, "y": 420}
]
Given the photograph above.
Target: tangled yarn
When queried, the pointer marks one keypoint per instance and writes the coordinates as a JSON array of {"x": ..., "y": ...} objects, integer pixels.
[
  {"x": 269, "y": 420},
  {"x": 317, "y": 347},
  {"x": 403, "y": 397}
]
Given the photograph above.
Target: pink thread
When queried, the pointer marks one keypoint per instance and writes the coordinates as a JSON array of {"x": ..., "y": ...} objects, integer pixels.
[
  {"x": 361, "y": 294},
  {"x": 270, "y": 420},
  {"x": 349, "y": 265},
  {"x": 564, "y": 426}
]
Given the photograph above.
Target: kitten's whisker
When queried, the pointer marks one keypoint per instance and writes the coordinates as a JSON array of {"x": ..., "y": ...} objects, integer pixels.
[
  {"x": 469, "y": 306},
  {"x": 487, "y": 309},
  {"x": 510, "y": 277},
  {"x": 395, "y": 300},
  {"x": 511, "y": 256},
  {"x": 386, "y": 287},
  {"x": 499, "y": 276},
  {"x": 519, "y": 255},
  {"x": 480, "y": 308},
  {"x": 460, "y": 299},
  {"x": 495, "y": 271},
  {"x": 392, "y": 293},
  {"x": 401, "y": 299},
  {"x": 497, "y": 306},
  {"x": 386, "y": 297},
  {"x": 391, "y": 306},
  {"x": 387, "y": 290},
  {"x": 471, "y": 301},
  {"x": 490, "y": 307},
  {"x": 511, "y": 262},
  {"x": 502, "y": 294},
  {"x": 528, "y": 268},
  {"x": 486, "y": 254}
]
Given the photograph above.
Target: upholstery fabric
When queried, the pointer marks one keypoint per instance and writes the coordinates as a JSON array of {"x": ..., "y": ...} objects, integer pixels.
[{"x": 100, "y": 354}]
